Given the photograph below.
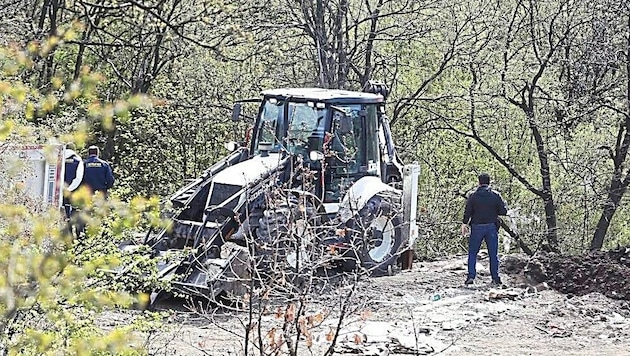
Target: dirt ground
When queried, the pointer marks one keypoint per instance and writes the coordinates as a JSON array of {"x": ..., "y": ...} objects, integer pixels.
[{"x": 428, "y": 311}]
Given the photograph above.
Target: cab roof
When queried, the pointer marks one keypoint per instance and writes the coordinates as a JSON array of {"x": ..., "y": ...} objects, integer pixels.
[{"x": 331, "y": 96}]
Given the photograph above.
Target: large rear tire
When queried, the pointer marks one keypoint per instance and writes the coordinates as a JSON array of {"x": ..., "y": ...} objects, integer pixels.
[{"x": 377, "y": 234}]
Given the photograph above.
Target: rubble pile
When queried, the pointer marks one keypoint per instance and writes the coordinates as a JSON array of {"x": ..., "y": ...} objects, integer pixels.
[{"x": 605, "y": 272}]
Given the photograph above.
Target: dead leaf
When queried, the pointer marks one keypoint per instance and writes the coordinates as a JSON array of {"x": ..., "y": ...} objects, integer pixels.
[
  {"x": 319, "y": 318},
  {"x": 358, "y": 339},
  {"x": 302, "y": 323},
  {"x": 331, "y": 335},
  {"x": 305, "y": 331},
  {"x": 290, "y": 312},
  {"x": 279, "y": 340},
  {"x": 271, "y": 335},
  {"x": 315, "y": 319}
]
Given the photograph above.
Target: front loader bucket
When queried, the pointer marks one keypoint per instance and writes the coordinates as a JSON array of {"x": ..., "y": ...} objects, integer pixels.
[
  {"x": 212, "y": 266},
  {"x": 210, "y": 278}
]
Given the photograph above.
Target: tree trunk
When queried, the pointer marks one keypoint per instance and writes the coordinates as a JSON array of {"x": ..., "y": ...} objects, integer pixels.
[
  {"x": 81, "y": 51},
  {"x": 615, "y": 192},
  {"x": 552, "y": 222},
  {"x": 79, "y": 61},
  {"x": 50, "y": 9},
  {"x": 341, "y": 43},
  {"x": 545, "y": 173},
  {"x": 322, "y": 44},
  {"x": 618, "y": 185}
]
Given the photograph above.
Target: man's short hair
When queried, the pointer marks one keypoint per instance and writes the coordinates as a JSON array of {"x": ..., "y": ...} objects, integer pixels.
[
  {"x": 484, "y": 178},
  {"x": 93, "y": 151}
]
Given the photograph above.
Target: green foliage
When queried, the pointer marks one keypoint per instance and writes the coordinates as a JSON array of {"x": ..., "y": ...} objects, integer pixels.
[
  {"x": 52, "y": 295},
  {"x": 51, "y": 288},
  {"x": 457, "y": 71},
  {"x": 155, "y": 151}
]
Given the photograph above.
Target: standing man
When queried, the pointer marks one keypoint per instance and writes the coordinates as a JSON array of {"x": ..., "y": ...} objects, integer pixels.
[
  {"x": 73, "y": 176},
  {"x": 98, "y": 174},
  {"x": 483, "y": 208}
]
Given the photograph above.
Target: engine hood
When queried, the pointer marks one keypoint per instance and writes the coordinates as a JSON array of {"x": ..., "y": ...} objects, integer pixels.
[{"x": 248, "y": 171}]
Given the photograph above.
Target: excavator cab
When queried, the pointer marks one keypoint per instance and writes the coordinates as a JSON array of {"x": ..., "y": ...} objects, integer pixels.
[{"x": 335, "y": 132}]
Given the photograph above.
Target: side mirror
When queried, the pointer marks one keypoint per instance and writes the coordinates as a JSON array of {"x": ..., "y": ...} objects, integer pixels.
[{"x": 236, "y": 111}]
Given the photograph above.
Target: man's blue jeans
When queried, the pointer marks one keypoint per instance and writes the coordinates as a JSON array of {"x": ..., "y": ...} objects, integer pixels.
[{"x": 479, "y": 233}]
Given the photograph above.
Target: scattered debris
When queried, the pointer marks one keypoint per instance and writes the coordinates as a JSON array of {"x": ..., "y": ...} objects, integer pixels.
[
  {"x": 554, "y": 330},
  {"x": 400, "y": 317},
  {"x": 503, "y": 294}
]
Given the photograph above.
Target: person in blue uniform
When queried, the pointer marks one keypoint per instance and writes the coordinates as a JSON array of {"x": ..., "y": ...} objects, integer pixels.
[
  {"x": 98, "y": 175},
  {"x": 481, "y": 221}
]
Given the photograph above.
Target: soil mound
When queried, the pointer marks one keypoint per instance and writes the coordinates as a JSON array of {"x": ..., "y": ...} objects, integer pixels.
[{"x": 605, "y": 272}]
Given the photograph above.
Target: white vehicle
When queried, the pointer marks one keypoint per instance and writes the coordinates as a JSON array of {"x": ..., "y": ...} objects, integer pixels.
[
  {"x": 36, "y": 170},
  {"x": 320, "y": 173}
]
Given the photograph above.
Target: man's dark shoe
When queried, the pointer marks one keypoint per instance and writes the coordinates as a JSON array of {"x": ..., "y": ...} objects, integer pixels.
[
  {"x": 497, "y": 282},
  {"x": 469, "y": 280}
]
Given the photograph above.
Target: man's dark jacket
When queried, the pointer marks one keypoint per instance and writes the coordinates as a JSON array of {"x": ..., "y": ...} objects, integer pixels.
[
  {"x": 484, "y": 206},
  {"x": 73, "y": 172},
  {"x": 98, "y": 174}
]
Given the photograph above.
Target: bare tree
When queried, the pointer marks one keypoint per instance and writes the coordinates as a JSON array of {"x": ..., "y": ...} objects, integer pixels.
[
  {"x": 547, "y": 34},
  {"x": 592, "y": 69},
  {"x": 531, "y": 36},
  {"x": 607, "y": 88},
  {"x": 294, "y": 292},
  {"x": 135, "y": 39},
  {"x": 350, "y": 41}
]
